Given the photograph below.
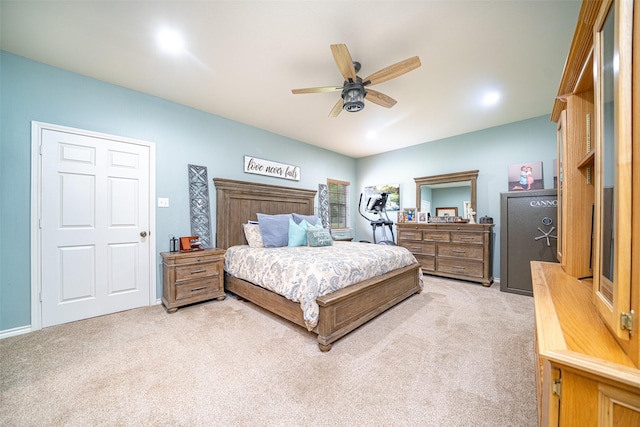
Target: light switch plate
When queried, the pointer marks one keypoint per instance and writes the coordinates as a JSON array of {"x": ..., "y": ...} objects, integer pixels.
[{"x": 163, "y": 202}]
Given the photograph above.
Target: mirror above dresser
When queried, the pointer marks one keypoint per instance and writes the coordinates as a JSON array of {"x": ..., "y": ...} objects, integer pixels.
[{"x": 447, "y": 191}]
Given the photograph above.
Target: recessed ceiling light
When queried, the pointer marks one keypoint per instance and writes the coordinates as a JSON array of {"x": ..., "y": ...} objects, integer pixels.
[
  {"x": 490, "y": 99},
  {"x": 170, "y": 41}
]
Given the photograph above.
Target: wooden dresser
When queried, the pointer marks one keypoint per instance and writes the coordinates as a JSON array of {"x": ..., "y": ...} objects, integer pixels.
[
  {"x": 190, "y": 277},
  {"x": 459, "y": 251}
]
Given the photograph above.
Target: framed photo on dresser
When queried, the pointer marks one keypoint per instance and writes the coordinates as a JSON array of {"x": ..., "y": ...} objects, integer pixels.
[{"x": 446, "y": 211}]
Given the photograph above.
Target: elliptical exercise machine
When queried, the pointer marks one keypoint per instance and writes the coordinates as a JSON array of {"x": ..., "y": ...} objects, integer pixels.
[{"x": 377, "y": 205}]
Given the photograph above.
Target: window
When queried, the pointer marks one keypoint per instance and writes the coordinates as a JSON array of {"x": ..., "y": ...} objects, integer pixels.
[{"x": 338, "y": 203}]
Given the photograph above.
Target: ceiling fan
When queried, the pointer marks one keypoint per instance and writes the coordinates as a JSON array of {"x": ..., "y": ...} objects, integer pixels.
[{"x": 355, "y": 89}]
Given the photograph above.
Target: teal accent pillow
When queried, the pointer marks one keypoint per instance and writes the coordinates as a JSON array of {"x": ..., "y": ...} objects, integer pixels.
[
  {"x": 319, "y": 237},
  {"x": 298, "y": 233},
  {"x": 274, "y": 229}
]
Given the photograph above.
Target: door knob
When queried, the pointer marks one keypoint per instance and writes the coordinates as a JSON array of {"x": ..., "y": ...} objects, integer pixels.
[{"x": 143, "y": 234}]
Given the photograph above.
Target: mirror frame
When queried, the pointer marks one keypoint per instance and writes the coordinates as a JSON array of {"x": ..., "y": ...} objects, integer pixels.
[{"x": 446, "y": 178}]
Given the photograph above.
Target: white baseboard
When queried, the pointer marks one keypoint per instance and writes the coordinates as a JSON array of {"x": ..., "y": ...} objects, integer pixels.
[
  {"x": 26, "y": 329},
  {"x": 15, "y": 331}
]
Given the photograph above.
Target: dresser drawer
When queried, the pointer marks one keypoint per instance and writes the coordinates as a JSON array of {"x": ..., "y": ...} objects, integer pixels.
[
  {"x": 436, "y": 236},
  {"x": 410, "y": 235},
  {"x": 461, "y": 251},
  {"x": 462, "y": 237},
  {"x": 460, "y": 267},
  {"x": 422, "y": 248},
  {"x": 428, "y": 263},
  {"x": 197, "y": 289},
  {"x": 197, "y": 271}
]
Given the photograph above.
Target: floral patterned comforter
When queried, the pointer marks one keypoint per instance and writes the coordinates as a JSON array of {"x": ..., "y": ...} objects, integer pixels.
[{"x": 302, "y": 274}]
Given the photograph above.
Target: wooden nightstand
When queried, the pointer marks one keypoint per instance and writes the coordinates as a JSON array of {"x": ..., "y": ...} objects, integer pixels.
[{"x": 190, "y": 277}]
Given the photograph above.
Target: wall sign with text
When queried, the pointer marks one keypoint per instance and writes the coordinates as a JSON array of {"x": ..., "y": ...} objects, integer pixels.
[{"x": 269, "y": 168}]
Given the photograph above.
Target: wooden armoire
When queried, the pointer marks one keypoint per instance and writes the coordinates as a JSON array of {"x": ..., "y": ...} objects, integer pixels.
[{"x": 586, "y": 306}]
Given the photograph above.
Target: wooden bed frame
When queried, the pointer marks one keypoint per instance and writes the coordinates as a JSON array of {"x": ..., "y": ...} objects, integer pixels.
[{"x": 340, "y": 312}]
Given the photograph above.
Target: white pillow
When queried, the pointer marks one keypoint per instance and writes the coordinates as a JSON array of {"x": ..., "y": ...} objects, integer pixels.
[{"x": 252, "y": 233}]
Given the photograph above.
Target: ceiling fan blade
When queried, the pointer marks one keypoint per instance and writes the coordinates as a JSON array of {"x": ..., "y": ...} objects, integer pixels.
[
  {"x": 317, "y": 89},
  {"x": 336, "y": 108},
  {"x": 343, "y": 59},
  {"x": 380, "y": 98},
  {"x": 392, "y": 71}
]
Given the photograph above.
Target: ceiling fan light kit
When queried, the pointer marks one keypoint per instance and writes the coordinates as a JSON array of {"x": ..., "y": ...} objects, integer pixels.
[
  {"x": 353, "y": 88},
  {"x": 353, "y": 96}
]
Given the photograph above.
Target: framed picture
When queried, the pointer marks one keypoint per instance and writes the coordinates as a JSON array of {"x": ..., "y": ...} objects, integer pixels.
[
  {"x": 446, "y": 211},
  {"x": 393, "y": 192},
  {"x": 400, "y": 217},
  {"x": 422, "y": 217},
  {"x": 525, "y": 176},
  {"x": 409, "y": 214}
]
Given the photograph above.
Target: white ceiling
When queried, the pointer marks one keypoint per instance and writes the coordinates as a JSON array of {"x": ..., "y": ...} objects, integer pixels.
[{"x": 242, "y": 58}]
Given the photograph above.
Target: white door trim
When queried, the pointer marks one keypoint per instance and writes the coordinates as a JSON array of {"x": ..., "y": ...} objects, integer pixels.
[{"x": 37, "y": 129}]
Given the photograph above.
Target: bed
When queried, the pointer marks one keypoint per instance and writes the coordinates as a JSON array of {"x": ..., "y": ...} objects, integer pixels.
[{"x": 340, "y": 312}]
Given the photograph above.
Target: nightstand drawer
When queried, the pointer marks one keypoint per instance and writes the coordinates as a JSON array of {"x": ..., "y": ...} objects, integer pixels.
[
  {"x": 461, "y": 251},
  {"x": 197, "y": 289},
  {"x": 198, "y": 257},
  {"x": 197, "y": 271}
]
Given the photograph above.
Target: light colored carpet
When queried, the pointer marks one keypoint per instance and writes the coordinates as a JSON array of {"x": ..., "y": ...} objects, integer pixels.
[{"x": 458, "y": 354}]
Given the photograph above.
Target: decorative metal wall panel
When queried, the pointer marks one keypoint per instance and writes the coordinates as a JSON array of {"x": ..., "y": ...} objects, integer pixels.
[
  {"x": 199, "y": 204},
  {"x": 323, "y": 205}
]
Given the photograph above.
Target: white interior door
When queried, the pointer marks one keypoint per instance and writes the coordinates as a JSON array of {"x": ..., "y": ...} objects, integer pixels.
[{"x": 95, "y": 225}]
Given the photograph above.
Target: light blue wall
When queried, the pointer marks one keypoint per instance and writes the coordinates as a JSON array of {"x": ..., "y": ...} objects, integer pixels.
[
  {"x": 32, "y": 91},
  {"x": 491, "y": 151}
]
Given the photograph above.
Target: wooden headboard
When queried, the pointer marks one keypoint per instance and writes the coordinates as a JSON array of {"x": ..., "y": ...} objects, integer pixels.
[{"x": 238, "y": 202}]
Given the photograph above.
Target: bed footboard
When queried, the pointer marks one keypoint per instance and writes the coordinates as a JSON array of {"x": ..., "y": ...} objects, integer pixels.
[
  {"x": 340, "y": 312},
  {"x": 343, "y": 311}
]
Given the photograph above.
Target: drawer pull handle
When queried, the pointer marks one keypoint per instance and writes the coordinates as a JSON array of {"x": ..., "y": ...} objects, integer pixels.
[
  {"x": 198, "y": 271},
  {"x": 459, "y": 267},
  {"x": 458, "y": 251},
  {"x": 466, "y": 238},
  {"x": 198, "y": 289}
]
